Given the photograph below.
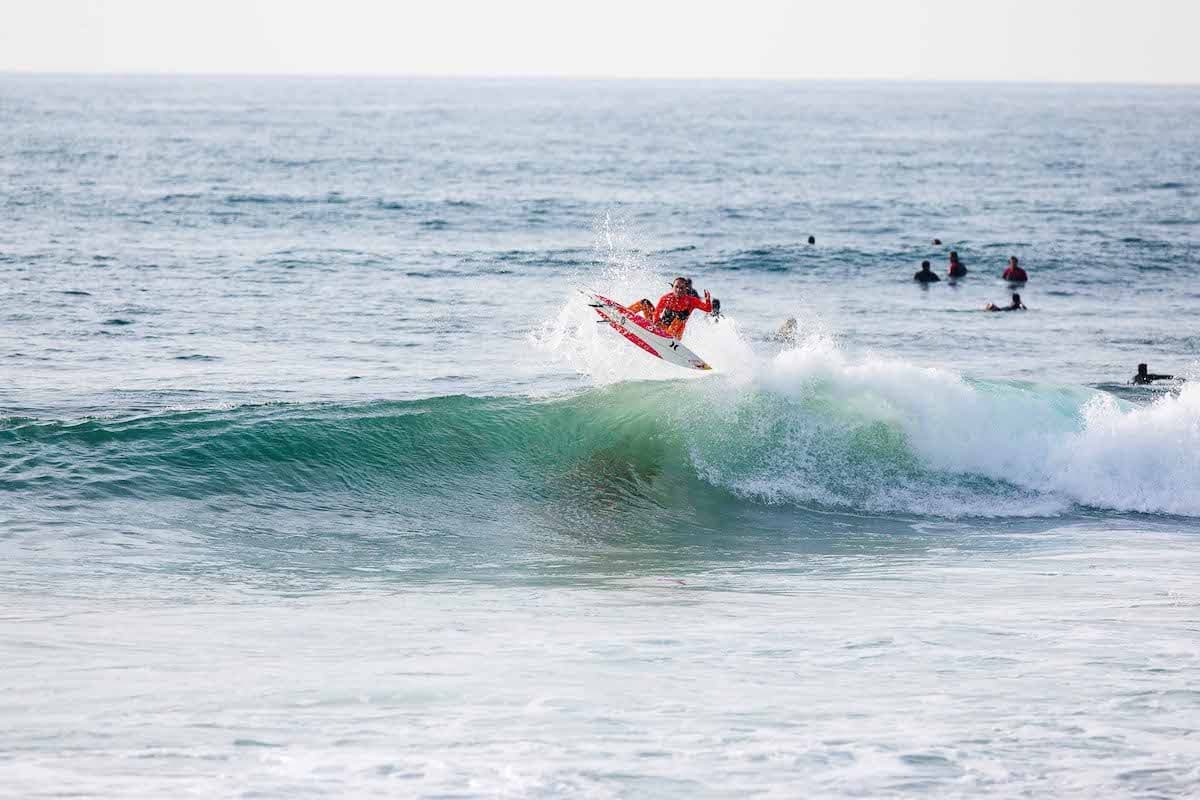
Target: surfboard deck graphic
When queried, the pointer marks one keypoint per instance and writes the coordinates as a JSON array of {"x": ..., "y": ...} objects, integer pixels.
[{"x": 643, "y": 333}]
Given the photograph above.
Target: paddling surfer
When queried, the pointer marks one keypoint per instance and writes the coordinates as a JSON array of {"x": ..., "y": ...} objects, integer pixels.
[
  {"x": 1015, "y": 305},
  {"x": 1145, "y": 377}
]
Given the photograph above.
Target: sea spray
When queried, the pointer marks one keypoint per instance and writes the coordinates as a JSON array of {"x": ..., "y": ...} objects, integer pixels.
[{"x": 623, "y": 271}]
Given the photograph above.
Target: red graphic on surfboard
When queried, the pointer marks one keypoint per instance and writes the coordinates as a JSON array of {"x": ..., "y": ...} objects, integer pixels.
[{"x": 645, "y": 334}]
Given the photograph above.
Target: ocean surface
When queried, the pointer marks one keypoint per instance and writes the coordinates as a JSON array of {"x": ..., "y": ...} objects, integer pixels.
[{"x": 319, "y": 479}]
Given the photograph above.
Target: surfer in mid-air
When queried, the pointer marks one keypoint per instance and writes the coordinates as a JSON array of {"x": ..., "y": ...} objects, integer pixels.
[{"x": 675, "y": 307}]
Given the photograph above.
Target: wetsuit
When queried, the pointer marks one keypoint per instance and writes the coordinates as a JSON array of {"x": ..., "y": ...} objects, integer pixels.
[
  {"x": 643, "y": 307},
  {"x": 1015, "y": 275},
  {"x": 926, "y": 276},
  {"x": 672, "y": 312},
  {"x": 957, "y": 270},
  {"x": 1145, "y": 378}
]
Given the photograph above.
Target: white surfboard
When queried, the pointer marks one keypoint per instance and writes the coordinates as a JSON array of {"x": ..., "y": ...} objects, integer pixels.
[{"x": 643, "y": 333}]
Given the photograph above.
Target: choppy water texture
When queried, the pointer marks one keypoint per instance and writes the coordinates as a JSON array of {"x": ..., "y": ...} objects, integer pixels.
[{"x": 317, "y": 478}]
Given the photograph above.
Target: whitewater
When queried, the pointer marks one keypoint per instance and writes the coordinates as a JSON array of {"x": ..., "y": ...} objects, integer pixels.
[{"x": 318, "y": 476}]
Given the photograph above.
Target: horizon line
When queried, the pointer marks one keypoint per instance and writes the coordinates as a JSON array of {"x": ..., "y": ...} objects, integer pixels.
[{"x": 9, "y": 72}]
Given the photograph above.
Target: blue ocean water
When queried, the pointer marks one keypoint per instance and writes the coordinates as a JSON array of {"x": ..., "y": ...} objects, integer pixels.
[{"x": 317, "y": 476}]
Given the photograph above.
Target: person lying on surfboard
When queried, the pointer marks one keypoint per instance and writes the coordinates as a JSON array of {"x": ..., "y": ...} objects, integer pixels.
[{"x": 674, "y": 307}]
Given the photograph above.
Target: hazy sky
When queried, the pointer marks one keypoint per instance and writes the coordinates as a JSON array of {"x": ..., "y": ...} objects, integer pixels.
[{"x": 1152, "y": 41}]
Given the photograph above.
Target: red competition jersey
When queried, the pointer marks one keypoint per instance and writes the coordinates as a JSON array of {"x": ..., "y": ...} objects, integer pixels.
[
  {"x": 679, "y": 306},
  {"x": 1015, "y": 274}
]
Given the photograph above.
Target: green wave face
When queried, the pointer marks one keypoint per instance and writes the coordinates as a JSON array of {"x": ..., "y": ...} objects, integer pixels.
[
  {"x": 676, "y": 448},
  {"x": 440, "y": 447}
]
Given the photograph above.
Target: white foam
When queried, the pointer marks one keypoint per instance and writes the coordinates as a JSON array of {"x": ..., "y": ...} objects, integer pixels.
[
  {"x": 983, "y": 448},
  {"x": 1050, "y": 444},
  {"x": 1144, "y": 459}
]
